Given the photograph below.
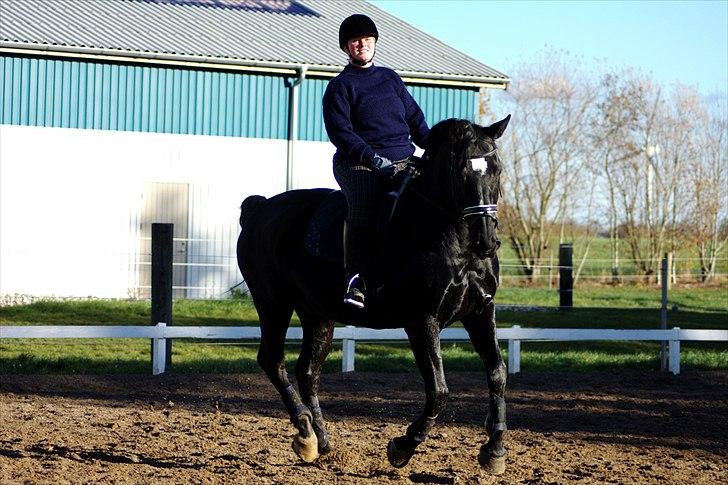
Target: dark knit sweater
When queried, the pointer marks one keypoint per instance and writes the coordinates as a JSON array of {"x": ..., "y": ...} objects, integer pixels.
[{"x": 368, "y": 111}]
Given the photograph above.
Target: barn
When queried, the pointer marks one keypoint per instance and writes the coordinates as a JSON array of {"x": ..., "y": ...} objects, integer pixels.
[{"x": 118, "y": 113}]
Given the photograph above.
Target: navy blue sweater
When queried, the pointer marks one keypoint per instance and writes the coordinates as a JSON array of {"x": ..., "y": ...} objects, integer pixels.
[{"x": 368, "y": 111}]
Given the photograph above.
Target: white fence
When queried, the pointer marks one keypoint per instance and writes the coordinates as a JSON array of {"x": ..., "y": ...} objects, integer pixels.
[{"x": 349, "y": 335}]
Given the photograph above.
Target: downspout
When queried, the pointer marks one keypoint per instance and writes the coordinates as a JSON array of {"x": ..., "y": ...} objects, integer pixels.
[{"x": 293, "y": 122}]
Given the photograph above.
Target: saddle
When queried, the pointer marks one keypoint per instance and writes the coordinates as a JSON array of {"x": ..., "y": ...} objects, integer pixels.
[{"x": 324, "y": 236}]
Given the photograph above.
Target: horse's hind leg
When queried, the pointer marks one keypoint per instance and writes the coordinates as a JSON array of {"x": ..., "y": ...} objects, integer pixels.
[
  {"x": 425, "y": 342},
  {"x": 316, "y": 345},
  {"x": 482, "y": 331},
  {"x": 274, "y": 321}
]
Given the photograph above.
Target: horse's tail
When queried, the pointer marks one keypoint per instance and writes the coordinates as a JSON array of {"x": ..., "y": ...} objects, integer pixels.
[{"x": 249, "y": 205}]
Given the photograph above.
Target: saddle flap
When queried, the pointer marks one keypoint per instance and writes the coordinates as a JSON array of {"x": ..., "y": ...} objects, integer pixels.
[{"x": 324, "y": 236}]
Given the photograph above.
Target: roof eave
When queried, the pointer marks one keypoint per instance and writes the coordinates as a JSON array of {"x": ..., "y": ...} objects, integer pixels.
[{"x": 210, "y": 62}]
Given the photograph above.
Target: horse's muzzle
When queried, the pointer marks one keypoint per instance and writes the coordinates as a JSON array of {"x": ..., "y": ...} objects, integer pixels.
[{"x": 484, "y": 250}]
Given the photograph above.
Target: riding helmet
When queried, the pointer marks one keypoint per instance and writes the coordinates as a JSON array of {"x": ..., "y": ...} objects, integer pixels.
[{"x": 357, "y": 25}]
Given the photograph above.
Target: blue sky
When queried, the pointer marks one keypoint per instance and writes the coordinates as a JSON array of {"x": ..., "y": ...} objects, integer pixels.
[{"x": 674, "y": 41}]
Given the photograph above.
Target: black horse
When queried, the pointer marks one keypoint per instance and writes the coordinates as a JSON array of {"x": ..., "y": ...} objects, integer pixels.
[{"x": 435, "y": 264}]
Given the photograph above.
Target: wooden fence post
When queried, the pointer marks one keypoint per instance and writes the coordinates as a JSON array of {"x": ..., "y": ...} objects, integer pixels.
[
  {"x": 675, "y": 351},
  {"x": 348, "y": 347},
  {"x": 665, "y": 276},
  {"x": 566, "y": 276},
  {"x": 162, "y": 279},
  {"x": 159, "y": 352},
  {"x": 514, "y": 354}
]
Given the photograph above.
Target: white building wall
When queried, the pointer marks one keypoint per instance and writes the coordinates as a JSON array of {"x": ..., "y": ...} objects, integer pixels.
[{"x": 70, "y": 203}]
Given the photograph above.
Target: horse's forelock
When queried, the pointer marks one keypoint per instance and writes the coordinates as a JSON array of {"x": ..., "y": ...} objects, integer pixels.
[{"x": 454, "y": 133}]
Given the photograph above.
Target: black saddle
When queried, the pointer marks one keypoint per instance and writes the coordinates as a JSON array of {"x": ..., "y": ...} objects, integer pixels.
[{"x": 324, "y": 236}]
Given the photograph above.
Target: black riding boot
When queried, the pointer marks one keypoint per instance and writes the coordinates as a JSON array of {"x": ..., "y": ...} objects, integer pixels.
[{"x": 354, "y": 240}]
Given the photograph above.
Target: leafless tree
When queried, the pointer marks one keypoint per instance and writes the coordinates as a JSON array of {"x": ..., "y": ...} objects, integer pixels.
[
  {"x": 645, "y": 139},
  {"x": 543, "y": 176},
  {"x": 705, "y": 181},
  {"x": 614, "y": 129},
  {"x": 653, "y": 160}
]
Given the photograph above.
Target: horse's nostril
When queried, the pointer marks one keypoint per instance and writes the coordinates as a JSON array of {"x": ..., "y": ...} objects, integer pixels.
[{"x": 497, "y": 243}]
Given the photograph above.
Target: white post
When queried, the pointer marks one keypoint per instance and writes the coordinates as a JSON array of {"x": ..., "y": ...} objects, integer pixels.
[
  {"x": 159, "y": 351},
  {"x": 514, "y": 354},
  {"x": 348, "y": 349},
  {"x": 674, "y": 351}
]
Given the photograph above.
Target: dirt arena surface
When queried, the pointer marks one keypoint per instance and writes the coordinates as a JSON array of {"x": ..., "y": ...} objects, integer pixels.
[{"x": 586, "y": 428}]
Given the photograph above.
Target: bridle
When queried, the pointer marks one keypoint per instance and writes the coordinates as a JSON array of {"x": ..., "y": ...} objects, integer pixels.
[{"x": 482, "y": 210}]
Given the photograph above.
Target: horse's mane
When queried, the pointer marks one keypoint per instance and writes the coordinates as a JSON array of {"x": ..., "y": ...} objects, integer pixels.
[{"x": 446, "y": 155}]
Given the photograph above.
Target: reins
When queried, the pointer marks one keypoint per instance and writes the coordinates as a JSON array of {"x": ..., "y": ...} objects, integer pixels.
[{"x": 481, "y": 210}]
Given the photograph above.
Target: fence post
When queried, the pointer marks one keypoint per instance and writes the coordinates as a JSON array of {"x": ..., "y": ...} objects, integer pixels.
[
  {"x": 675, "y": 351},
  {"x": 348, "y": 350},
  {"x": 566, "y": 276},
  {"x": 159, "y": 352},
  {"x": 663, "y": 313},
  {"x": 514, "y": 354},
  {"x": 162, "y": 279}
]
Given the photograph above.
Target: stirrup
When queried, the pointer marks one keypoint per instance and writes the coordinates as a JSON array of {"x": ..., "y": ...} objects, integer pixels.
[{"x": 354, "y": 295}]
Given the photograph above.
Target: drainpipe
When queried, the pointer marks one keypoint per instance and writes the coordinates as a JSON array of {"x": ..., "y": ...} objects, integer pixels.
[{"x": 293, "y": 122}]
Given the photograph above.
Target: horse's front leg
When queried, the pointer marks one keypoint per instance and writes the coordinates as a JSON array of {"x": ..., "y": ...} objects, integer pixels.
[
  {"x": 317, "y": 337},
  {"x": 482, "y": 330},
  {"x": 425, "y": 343}
]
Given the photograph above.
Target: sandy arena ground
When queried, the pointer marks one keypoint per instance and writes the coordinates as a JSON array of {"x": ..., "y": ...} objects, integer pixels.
[{"x": 586, "y": 428}]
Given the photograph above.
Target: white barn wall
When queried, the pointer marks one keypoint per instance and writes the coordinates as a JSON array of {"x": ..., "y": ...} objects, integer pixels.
[{"x": 70, "y": 202}]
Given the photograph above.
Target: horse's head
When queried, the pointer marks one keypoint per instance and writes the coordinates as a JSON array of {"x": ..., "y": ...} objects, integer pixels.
[{"x": 466, "y": 168}]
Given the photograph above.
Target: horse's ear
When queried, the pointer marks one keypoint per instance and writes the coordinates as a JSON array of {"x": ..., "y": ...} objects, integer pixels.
[{"x": 496, "y": 129}]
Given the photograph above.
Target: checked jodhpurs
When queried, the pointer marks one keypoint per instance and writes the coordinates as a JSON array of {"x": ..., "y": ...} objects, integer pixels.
[{"x": 360, "y": 186}]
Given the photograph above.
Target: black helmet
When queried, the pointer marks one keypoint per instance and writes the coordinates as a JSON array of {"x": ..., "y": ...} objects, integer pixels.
[{"x": 357, "y": 25}]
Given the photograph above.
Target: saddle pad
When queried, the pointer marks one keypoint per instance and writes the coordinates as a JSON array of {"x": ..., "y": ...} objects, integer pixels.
[{"x": 324, "y": 236}]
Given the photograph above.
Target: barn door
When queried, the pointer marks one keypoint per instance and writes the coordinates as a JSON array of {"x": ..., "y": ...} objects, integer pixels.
[{"x": 167, "y": 203}]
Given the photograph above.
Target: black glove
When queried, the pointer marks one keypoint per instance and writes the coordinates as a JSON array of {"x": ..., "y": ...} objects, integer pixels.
[{"x": 382, "y": 166}]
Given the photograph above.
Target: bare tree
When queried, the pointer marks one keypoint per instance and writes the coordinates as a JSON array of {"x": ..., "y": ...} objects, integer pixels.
[
  {"x": 614, "y": 130},
  {"x": 706, "y": 179},
  {"x": 550, "y": 101},
  {"x": 645, "y": 139}
]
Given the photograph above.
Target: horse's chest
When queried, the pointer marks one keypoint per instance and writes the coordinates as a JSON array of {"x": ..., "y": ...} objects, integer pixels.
[{"x": 462, "y": 296}]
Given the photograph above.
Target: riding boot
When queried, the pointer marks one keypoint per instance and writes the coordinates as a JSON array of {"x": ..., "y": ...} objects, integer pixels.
[{"x": 354, "y": 240}]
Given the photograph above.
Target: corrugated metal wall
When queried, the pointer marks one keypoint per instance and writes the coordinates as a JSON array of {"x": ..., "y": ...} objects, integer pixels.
[
  {"x": 77, "y": 94},
  {"x": 73, "y": 94},
  {"x": 440, "y": 103}
]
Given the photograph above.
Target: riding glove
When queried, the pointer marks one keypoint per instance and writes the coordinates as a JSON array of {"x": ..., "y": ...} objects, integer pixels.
[{"x": 382, "y": 165}]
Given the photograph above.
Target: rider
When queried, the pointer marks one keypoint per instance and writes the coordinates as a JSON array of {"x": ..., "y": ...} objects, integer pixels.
[{"x": 372, "y": 120}]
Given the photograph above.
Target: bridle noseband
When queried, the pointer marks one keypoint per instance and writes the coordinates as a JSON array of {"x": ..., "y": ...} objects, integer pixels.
[{"x": 483, "y": 210}]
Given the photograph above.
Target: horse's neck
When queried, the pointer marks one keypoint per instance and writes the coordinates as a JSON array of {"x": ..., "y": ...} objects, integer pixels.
[{"x": 427, "y": 220}]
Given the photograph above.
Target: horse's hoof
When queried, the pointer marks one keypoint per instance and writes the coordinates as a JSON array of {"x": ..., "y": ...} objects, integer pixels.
[
  {"x": 306, "y": 447},
  {"x": 324, "y": 449},
  {"x": 398, "y": 457},
  {"x": 495, "y": 465}
]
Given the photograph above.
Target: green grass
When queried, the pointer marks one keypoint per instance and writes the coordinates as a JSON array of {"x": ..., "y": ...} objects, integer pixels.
[
  {"x": 101, "y": 312},
  {"x": 595, "y": 307},
  {"x": 599, "y": 258}
]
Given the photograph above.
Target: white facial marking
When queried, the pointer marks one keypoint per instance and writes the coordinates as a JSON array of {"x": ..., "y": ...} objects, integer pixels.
[{"x": 479, "y": 164}]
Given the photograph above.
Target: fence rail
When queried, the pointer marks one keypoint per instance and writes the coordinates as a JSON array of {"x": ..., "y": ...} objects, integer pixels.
[{"x": 349, "y": 335}]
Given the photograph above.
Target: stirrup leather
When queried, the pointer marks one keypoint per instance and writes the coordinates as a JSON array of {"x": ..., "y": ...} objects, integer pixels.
[{"x": 354, "y": 294}]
